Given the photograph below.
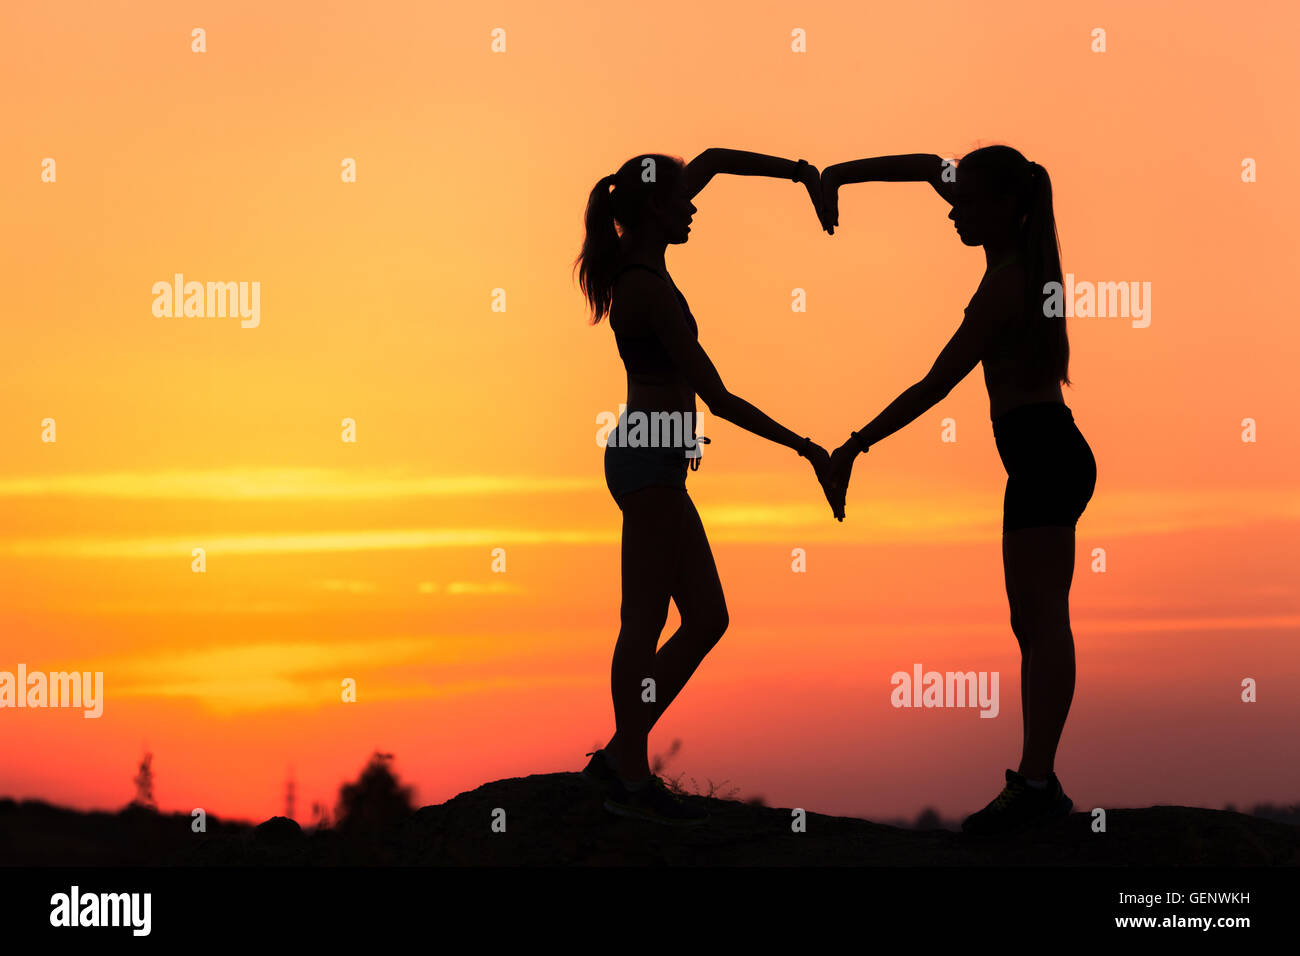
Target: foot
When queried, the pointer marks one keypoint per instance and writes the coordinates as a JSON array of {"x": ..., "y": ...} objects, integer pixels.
[
  {"x": 1019, "y": 805},
  {"x": 598, "y": 770},
  {"x": 653, "y": 801}
]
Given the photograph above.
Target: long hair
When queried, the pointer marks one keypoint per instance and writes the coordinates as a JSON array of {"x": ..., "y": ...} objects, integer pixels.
[
  {"x": 618, "y": 203},
  {"x": 1005, "y": 172}
]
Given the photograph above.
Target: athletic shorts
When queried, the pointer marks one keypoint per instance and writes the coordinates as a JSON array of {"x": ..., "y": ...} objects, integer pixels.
[
  {"x": 1051, "y": 473},
  {"x": 631, "y": 468}
]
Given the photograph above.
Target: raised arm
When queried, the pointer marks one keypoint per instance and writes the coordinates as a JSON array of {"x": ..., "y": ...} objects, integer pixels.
[
  {"x": 738, "y": 162},
  {"x": 909, "y": 168}
]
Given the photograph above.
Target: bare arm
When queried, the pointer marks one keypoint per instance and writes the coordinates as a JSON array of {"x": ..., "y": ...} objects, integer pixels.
[
  {"x": 737, "y": 162},
  {"x": 649, "y": 303},
  {"x": 909, "y": 168}
]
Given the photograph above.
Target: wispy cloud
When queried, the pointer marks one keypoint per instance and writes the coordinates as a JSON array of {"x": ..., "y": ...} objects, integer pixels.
[
  {"x": 298, "y": 484},
  {"x": 890, "y": 516},
  {"x": 476, "y": 588},
  {"x": 272, "y": 675},
  {"x": 348, "y": 587},
  {"x": 298, "y": 543}
]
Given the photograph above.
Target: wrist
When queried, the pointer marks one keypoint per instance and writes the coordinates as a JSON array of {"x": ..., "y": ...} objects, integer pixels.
[
  {"x": 804, "y": 447},
  {"x": 799, "y": 170},
  {"x": 858, "y": 443}
]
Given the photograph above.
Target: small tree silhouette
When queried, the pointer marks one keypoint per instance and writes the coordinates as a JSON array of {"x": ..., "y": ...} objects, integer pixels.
[
  {"x": 928, "y": 819},
  {"x": 144, "y": 784},
  {"x": 374, "y": 802}
]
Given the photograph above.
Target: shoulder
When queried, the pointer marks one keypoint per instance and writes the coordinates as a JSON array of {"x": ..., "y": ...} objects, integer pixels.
[
  {"x": 643, "y": 293},
  {"x": 640, "y": 281}
]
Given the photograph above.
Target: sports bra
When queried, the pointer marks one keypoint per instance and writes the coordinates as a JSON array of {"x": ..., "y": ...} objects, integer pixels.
[{"x": 645, "y": 354}]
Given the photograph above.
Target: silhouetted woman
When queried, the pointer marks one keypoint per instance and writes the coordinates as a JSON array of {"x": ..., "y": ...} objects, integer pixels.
[
  {"x": 632, "y": 217},
  {"x": 1003, "y": 202}
]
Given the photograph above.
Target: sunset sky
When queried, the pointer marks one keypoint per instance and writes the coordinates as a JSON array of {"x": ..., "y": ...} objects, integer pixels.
[{"x": 475, "y": 428}]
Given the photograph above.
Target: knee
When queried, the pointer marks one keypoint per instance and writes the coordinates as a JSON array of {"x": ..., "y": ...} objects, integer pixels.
[
  {"x": 1018, "y": 629},
  {"x": 709, "y": 626},
  {"x": 642, "y": 624},
  {"x": 1037, "y": 626}
]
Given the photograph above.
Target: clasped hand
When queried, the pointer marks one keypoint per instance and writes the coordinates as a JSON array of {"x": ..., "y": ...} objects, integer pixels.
[
  {"x": 833, "y": 470},
  {"x": 824, "y": 191}
]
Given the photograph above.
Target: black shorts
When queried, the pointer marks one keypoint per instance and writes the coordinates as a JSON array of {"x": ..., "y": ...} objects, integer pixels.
[
  {"x": 1051, "y": 473},
  {"x": 633, "y": 467}
]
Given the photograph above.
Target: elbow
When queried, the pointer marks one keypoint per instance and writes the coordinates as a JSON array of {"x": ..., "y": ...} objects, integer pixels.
[
  {"x": 720, "y": 402},
  {"x": 708, "y": 158}
]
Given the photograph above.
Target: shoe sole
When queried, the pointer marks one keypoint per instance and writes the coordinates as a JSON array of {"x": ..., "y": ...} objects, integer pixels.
[
  {"x": 1059, "y": 812},
  {"x": 619, "y": 810}
]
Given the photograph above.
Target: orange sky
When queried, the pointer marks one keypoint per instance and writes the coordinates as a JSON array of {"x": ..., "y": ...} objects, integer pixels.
[{"x": 475, "y": 428}]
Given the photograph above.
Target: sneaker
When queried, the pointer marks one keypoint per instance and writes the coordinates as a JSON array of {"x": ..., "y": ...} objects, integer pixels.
[
  {"x": 1019, "y": 805},
  {"x": 598, "y": 770},
  {"x": 654, "y": 802}
]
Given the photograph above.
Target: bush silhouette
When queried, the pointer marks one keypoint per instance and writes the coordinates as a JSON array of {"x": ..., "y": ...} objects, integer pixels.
[{"x": 374, "y": 802}]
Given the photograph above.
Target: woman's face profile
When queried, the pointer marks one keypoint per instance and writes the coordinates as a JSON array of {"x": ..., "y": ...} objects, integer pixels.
[
  {"x": 673, "y": 213},
  {"x": 976, "y": 212}
]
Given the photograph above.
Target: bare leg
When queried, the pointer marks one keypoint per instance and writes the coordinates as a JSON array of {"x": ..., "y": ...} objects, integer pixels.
[
  {"x": 665, "y": 553},
  {"x": 1039, "y": 565},
  {"x": 1017, "y": 629},
  {"x": 697, "y": 592}
]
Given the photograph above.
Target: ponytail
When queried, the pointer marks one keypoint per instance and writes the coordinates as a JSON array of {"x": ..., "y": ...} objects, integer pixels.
[
  {"x": 598, "y": 259},
  {"x": 1041, "y": 252}
]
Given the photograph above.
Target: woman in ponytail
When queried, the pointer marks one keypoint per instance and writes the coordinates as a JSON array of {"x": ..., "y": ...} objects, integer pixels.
[
  {"x": 632, "y": 217},
  {"x": 1015, "y": 327}
]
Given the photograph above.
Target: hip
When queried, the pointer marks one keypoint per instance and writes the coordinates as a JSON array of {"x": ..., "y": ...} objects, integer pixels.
[{"x": 1042, "y": 436}]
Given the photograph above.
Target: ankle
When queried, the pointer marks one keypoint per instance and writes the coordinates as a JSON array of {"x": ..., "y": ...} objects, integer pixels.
[{"x": 627, "y": 769}]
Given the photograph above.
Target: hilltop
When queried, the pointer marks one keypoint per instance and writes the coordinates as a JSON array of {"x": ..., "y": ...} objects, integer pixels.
[{"x": 557, "y": 819}]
